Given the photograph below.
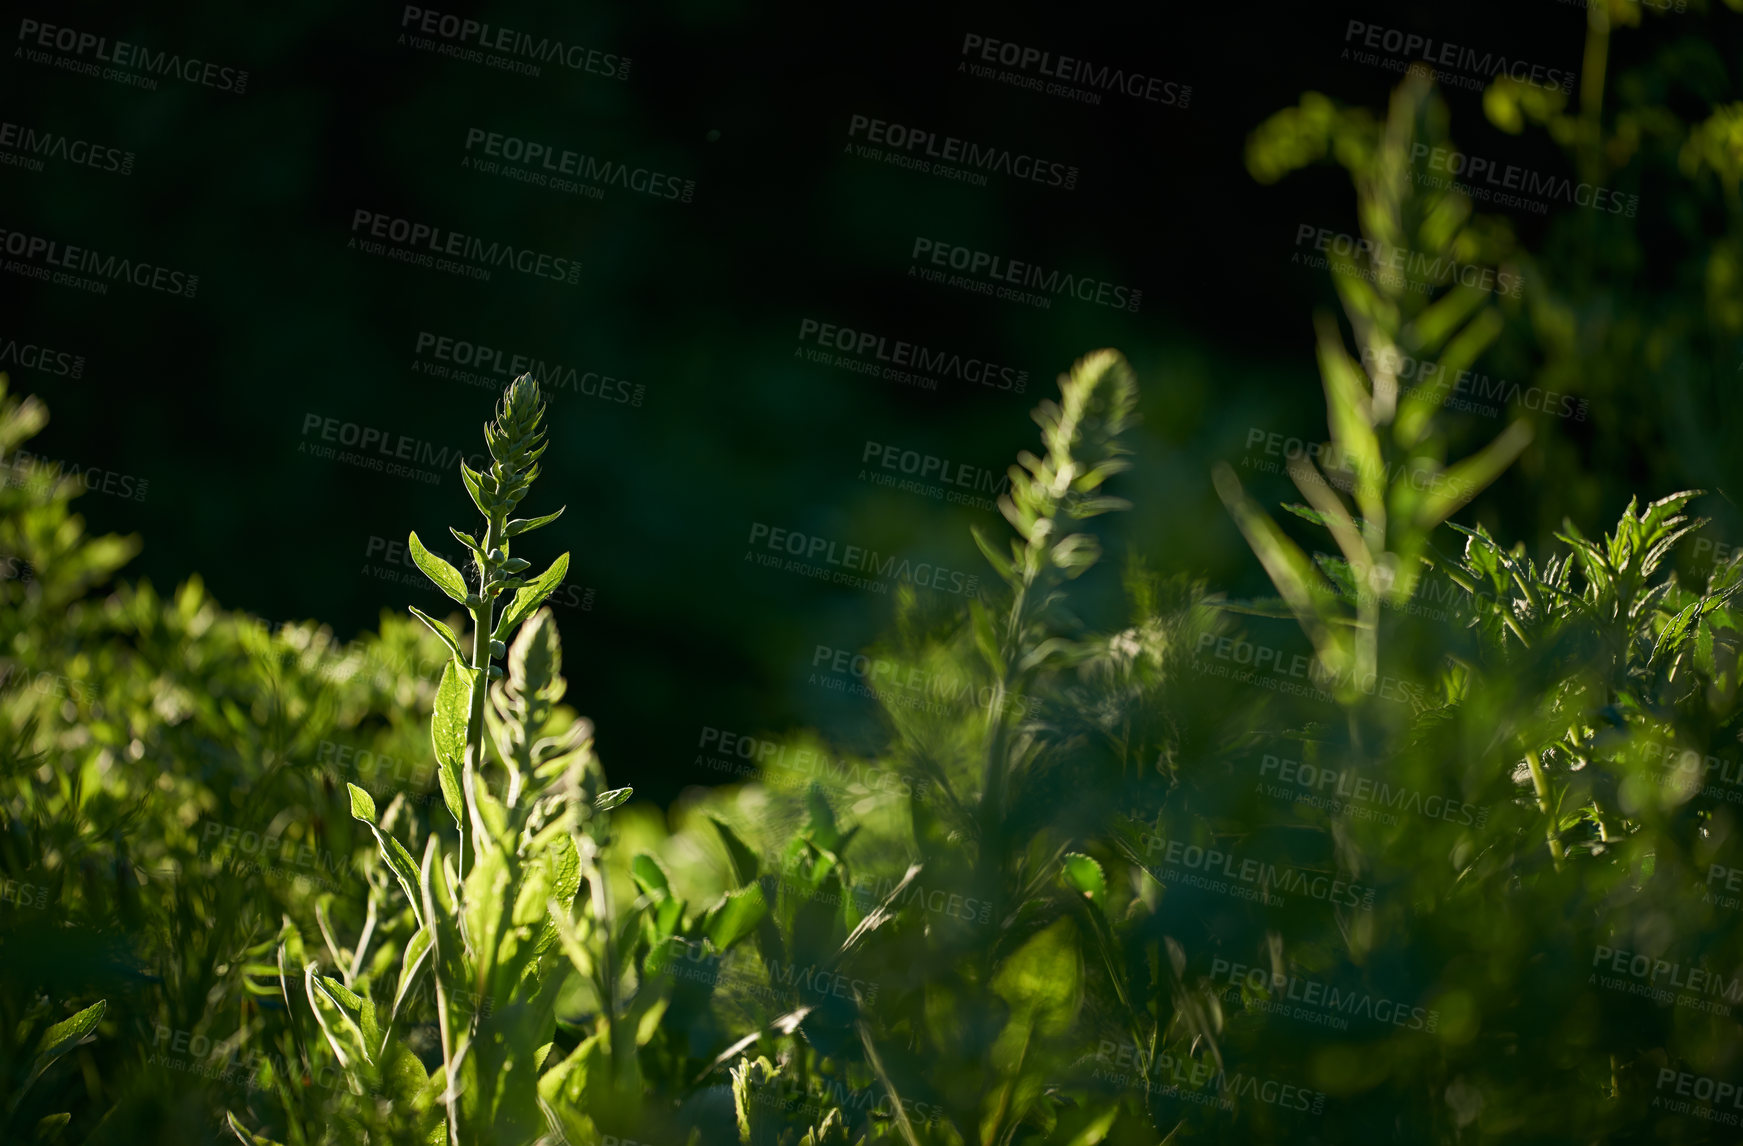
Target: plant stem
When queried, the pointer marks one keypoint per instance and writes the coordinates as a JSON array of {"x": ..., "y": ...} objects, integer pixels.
[
  {"x": 482, "y": 624},
  {"x": 1540, "y": 782}
]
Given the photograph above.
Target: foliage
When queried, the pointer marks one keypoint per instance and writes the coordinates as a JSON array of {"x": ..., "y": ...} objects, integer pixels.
[{"x": 1372, "y": 860}]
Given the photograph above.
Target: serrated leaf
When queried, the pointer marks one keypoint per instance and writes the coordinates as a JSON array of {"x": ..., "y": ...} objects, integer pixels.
[
  {"x": 441, "y": 630},
  {"x": 1673, "y": 633},
  {"x": 1082, "y": 874},
  {"x": 446, "y": 577},
  {"x": 530, "y": 596}
]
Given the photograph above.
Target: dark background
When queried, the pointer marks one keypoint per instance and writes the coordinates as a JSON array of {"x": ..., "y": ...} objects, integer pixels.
[{"x": 700, "y": 304}]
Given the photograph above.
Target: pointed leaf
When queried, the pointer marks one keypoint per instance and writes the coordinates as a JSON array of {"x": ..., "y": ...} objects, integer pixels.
[
  {"x": 441, "y": 630},
  {"x": 522, "y": 525},
  {"x": 606, "y": 801},
  {"x": 244, "y": 1135},
  {"x": 449, "y": 719},
  {"x": 735, "y": 916},
  {"x": 362, "y": 804},
  {"x": 446, "y": 577},
  {"x": 474, "y": 482},
  {"x": 530, "y": 596},
  {"x": 744, "y": 861}
]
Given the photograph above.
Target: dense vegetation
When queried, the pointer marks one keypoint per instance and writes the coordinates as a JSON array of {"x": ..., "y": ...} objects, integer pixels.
[{"x": 1433, "y": 845}]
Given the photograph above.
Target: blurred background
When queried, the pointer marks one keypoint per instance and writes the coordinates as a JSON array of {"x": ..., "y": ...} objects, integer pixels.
[{"x": 722, "y": 176}]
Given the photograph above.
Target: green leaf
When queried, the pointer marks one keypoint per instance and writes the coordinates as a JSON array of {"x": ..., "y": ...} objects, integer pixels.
[
  {"x": 522, "y": 525},
  {"x": 649, "y": 876},
  {"x": 1289, "y": 568},
  {"x": 68, "y": 1033},
  {"x": 1001, "y": 565},
  {"x": 1465, "y": 479},
  {"x": 49, "y": 1127},
  {"x": 1082, "y": 874},
  {"x": 606, "y": 801},
  {"x": 441, "y": 630},
  {"x": 57, "y": 1041},
  {"x": 529, "y": 597},
  {"x": 411, "y": 963},
  {"x": 986, "y": 637},
  {"x": 474, "y": 482},
  {"x": 735, "y": 916},
  {"x": 446, "y": 577},
  {"x": 398, "y": 860},
  {"x": 468, "y": 541},
  {"x": 744, "y": 861},
  {"x": 1673, "y": 632},
  {"x": 246, "y": 1136},
  {"x": 449, "y": 719},
  {"x": 362, "y": 804}
]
